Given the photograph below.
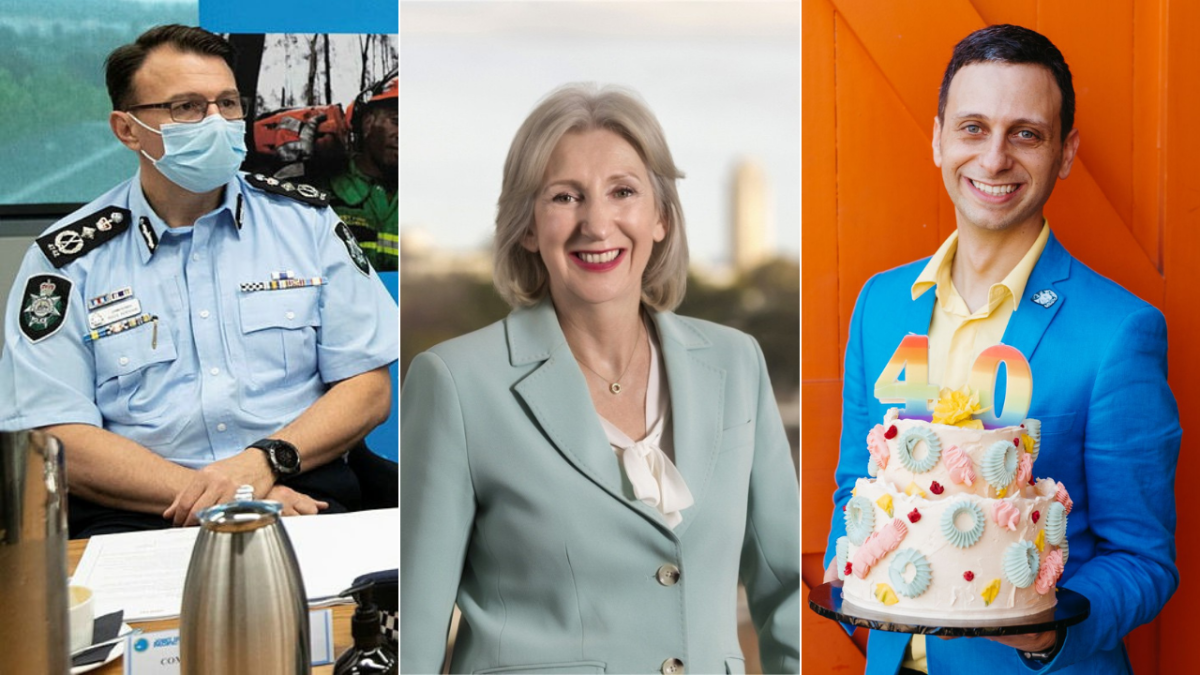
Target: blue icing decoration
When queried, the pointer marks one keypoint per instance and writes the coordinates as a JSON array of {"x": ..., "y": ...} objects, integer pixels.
[
  {"x": 1056, "y": 524},
  {"x": 843, "y": 554},
  {"x": 1065, "y": 550},
  {"x": 1021, "y": 563},
  {"x": 920, "y": 581},
  {"x": 1034, "y": 429},
  {"x": 860, "y": 519},
  {"x": 872, "y": 467},
  {"x": 999, "y": 465},
  {"x": 950, "y": 530},
  {"x": 908, "y": 442}
]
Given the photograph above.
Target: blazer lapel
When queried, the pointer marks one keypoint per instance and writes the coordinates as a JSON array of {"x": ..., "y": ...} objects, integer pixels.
[
  {"x": 556, "y": 395},
  {"x": 919, "y": 312},
  {"x": 697, "y": 391},
  {"x": 1031, "y": 318}
]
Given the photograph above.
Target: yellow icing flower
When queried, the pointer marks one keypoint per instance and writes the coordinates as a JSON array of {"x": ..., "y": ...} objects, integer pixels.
[
  {"x": 989, "y": 594},
  {"x": 914, "y": 489},
  {"x": 1001, "y": 492},
  {"x": 854, "y": 492},
  {"x": 1040, "y": 542},
  {"x": 1027, "y": 443},
  {"x": 886, "y": 595},
  {"x": 885, "y": 503},
  {"x": 956, "y": 408}
]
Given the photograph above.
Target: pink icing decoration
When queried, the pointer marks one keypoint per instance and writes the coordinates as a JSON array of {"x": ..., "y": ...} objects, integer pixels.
[
  {"x": 1024, "y": 468},
  {"x": 878, "y": 545},
  {"x": 1049, "y": 572},
  {"x": 878, "y": 447},
  {"x": 1006, "y": 514},
  {"x": 1063, "y": 498},
  {"x": 959, "y": 465}
]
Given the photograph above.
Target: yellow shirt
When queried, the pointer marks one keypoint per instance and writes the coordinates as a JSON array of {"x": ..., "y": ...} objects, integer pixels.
[{"x": 957, "y": 336}]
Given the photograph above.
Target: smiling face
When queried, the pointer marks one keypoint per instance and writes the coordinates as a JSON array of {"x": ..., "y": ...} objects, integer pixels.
[
  {"x": 596, "y": 220},
  {"x": 1000, "y": 147}
]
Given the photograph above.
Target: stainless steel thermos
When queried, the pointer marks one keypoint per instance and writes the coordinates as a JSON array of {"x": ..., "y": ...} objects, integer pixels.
[
  {"x": 33, "y": 554},
  {"x": 244, "y": 608}
]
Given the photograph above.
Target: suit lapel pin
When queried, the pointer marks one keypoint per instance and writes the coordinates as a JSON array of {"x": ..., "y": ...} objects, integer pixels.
[{"x": 1045, "y": 298}]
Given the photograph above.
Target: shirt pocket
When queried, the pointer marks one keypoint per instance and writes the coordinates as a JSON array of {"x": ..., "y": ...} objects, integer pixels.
[
  {"x": 567, "y": 667},
  {"x": 279, "y": 335},
  {"x": 136, "y": 382},
  {"x": 737, "y": 436}
]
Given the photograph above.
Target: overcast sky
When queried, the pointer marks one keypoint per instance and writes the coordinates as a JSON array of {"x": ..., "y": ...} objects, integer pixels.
[{"x": 722, "y": 77}]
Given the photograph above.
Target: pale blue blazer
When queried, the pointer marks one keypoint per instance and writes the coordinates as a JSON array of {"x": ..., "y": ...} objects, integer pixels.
[
  {"x": 514, "y": 505},
  {"x": 1110, "y": 433}
]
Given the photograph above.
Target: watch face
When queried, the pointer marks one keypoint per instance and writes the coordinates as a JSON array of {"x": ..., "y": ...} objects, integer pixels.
[{"x": 286, "y": 456}]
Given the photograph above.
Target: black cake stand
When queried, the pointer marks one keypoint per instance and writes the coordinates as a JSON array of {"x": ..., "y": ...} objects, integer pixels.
[{"x": 826, "y": 600}]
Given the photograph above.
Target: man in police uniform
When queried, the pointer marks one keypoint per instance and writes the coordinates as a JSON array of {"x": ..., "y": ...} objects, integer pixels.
[{"x": 195, "y": 329}]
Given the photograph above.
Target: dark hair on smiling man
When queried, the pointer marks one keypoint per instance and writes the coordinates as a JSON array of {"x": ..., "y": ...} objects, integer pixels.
[
  {"x": 1006, "y": 43},
  {"x": 124, "y": 61}
]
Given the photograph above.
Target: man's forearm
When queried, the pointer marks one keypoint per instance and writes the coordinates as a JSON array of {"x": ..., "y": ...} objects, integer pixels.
[
  {"x": 114, "y": 471},
  {"x": 343, "y": 416}
]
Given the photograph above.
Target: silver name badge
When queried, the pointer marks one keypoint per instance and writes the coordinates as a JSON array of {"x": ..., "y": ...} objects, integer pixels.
[{"x": 114, "y": 312}]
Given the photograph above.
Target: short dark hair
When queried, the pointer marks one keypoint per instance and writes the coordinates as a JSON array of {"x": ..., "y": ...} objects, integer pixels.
[
  {"x": 123, "y": 63},
  {"x": 1006, "y": 43}
]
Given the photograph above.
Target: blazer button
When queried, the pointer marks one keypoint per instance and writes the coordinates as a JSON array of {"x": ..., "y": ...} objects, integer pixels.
[
  {"x": 672, "y": 667},
  {"x": 668, "y": 575}
]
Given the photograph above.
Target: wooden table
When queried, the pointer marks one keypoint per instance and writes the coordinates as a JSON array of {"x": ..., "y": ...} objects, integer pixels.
[{"x": 341, "y": 620}]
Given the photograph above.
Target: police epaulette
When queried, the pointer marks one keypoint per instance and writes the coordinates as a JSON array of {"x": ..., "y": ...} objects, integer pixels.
[
  {"x": 299, "y": 191},
  {"x": 79, "y": 238}
]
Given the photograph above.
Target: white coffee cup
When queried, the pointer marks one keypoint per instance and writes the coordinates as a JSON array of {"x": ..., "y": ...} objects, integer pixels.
[{"x": 82, "y": 617}]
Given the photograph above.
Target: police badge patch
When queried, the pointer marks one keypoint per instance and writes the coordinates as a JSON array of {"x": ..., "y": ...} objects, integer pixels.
[
  {"x": 45, "y": 308},
  {"x": 356, "y": 253}
]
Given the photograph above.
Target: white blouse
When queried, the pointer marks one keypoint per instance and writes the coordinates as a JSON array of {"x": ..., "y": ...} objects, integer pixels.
[{"x": 647, "y": 462}]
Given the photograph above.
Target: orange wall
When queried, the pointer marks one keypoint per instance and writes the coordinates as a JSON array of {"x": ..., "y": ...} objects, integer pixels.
[{"x": 874, "y": 200}]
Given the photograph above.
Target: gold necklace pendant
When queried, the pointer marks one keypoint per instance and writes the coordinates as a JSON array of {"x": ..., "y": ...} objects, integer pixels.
[{"x": 615, "y": 387}]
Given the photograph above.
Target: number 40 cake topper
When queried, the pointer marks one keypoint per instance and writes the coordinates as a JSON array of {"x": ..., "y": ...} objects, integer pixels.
[{"x": 915, "y": 391}]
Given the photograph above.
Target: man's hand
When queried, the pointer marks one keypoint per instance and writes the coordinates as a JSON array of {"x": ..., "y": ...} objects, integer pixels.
[
  {"x": 218, "y": 482},
  {"x": 830, "y": 572},
  {"x": 296, "y": 503},
  {"x": 1029, "y": 642}
]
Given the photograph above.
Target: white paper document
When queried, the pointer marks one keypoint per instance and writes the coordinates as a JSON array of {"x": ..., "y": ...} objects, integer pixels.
[{"x": 143, "y": 572}]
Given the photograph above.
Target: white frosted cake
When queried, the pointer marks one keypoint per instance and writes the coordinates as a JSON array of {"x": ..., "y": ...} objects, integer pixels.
[{"x": 952, "y": 524}]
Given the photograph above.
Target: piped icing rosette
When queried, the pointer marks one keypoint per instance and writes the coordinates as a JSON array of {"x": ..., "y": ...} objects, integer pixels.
[
  {"x": 1024, "y": 469},
  {"x": 1033, "y": 428},
  {"x": 1021, "y": 563},
  {"x": 1056, "y": 524},
  {"x": 962, "y": 524},
  {"x": 999, "y": 466},
  {"x": 1061, "y": 496},
  {"x": 872, "y": 468},
  {"x": 843, "y": 556},
  {"x": 898, "y": 572},
  {"x": 1006, "y": 515},
  {"x": 860, "y": 519},
  {"x": 877, "y": 445},
  {"x": 913, "y": 440},
  {"x": 1051, "y": 570},
  {"x": 962, "y": 471},
  {"x": 876, "y": 546}
]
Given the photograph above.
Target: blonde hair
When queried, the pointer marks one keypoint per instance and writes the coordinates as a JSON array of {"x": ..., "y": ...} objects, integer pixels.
[{"x": 520, "y": 275}]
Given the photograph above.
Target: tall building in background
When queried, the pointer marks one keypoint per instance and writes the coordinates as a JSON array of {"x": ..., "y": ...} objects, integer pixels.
[{"x": 751, "y": 216}]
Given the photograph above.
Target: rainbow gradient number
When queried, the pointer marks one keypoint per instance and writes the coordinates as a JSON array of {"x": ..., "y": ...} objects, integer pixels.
[
  {"x": 1017, "y": 394},
  {"x": 914, "y": 391}
]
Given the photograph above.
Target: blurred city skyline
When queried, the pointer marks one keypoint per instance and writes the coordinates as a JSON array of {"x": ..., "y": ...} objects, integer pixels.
[{"x": 722, "y": 77}]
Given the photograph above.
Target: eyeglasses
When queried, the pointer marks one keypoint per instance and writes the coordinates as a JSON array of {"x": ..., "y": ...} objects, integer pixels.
[{"x": 192, "y": 110}]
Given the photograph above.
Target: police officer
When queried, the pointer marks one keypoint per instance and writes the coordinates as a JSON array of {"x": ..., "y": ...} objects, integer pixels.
[{"x": 195, "y": 329}]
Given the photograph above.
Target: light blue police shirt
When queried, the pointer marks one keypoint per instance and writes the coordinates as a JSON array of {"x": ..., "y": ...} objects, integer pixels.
[{"x": 257, "y": 308}]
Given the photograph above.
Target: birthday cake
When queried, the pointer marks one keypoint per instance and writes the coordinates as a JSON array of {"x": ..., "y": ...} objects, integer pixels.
[{"x": 952, "y": 523}]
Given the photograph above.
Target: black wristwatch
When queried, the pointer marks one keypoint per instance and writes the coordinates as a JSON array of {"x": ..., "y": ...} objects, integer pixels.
[
  {"x": 1048, "y": 655},
  {"x": 283, "y": 456}
]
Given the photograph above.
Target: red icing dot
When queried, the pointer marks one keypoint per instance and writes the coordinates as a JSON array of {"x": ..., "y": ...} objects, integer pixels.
[
  {"x": 1036, "y": 515},
  {"x": 936, "y": 488},
  {"x": 1017, "y": 442},
  {"x": 914, "y": 516},
  {"x": 1022, "y": 426},
  {"x": 891, "y": 432},
  {"x": 846, "y": 572},
  {"x": 1031, "y": 480},
  {"x": 969, "y": 575},
  {"x": 844, "y": 506}
]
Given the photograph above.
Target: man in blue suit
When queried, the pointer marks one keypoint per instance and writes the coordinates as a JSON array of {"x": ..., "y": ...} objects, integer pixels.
[{"x": 1110, "y": 427}]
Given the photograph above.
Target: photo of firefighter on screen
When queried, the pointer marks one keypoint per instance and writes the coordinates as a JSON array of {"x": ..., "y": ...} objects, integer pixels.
[{"x": 325, "y": 113}]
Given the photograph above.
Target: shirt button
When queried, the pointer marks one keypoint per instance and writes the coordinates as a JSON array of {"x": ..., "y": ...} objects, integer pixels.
[
  {"x": 195, "y": 256},
  {"x": 204, "y": 314},
  {"x": 124, "y": 360},
  {"x": 668, "y": 575},
  {"x": 291, "y": 315},
  {"x": 221, "y": 426},
  {"x": 672, "y": 667},
  {"x": 215, "y": 371}
]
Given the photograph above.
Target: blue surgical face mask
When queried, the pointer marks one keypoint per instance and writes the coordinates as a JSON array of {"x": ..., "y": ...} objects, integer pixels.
[{"x": 203, "y": 156}]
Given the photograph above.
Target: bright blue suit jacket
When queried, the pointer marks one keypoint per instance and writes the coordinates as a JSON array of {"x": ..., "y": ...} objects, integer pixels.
[
  {"x": 1110, "y": 433},
  {"x": 514, "y": 505}
]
